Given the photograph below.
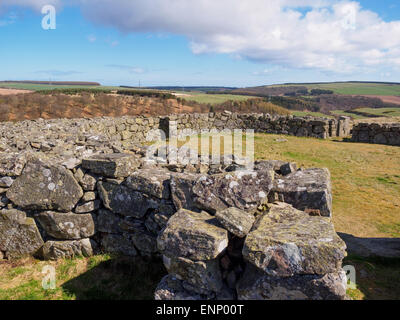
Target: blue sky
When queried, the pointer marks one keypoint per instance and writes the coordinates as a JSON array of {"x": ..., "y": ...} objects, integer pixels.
[{"x": 122, "y": 43}]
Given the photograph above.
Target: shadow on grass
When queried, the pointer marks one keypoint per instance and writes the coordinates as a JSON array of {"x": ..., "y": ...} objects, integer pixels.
[
  {"x": 120, "y": 278},
  {"x": 377, "y": 265}
]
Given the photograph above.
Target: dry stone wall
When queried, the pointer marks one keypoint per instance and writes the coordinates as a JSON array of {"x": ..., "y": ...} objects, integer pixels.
[
  {"x": 62, "y": 135},
  {"x": 223, "y": 232},
  {"x": 386, "y": 133}
]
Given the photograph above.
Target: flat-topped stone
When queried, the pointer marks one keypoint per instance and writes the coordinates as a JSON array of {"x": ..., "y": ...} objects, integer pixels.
[
  {"x": 308, "y": 189},
  {"x": 67, "y": 226},
  {"x": 154, "y": 182},
  {"x": 236, "y": 221},
  {"x": 54, "y": 250},
  {"x": 286, "y": 241},
  {"x": 116, "y": 165},
  {"x": 192, "y": 235},
  {"x": 244, "y": 190}
]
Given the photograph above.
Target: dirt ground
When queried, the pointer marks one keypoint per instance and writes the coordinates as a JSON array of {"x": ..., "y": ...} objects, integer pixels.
[{"x": 8, "y": 92}]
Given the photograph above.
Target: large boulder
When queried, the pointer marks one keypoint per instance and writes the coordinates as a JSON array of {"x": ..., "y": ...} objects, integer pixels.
[
  {"x": 286, "y": 241},
  {"x": 125, "y": 201},
  {"x": 117, "y": 165},
  {"x": 236, "y": 221},
  {"x": 67, "y": 226},
  {"x": 254, "y": 285},
  {"x": 154, "y": 182},
  {"x": 19, "y": 235},
  {"x": 54, "y": 250},
  {"x": 192, "y": 235},
  {"x": 201, "y": 274},
  {"x": 244, "y": 190},
  {"x": 45, "y": 187},
  {"x": 307, "y": 190}
]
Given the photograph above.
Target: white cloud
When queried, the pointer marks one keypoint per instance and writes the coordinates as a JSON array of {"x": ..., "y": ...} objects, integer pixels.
[{"x": 328, "y": 35}]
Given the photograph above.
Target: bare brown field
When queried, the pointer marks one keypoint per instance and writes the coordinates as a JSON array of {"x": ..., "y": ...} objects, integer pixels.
[
  {"x": 8, "y": 92},
  {"x": 385, "y": 99},
  {"x": 31, "y": 106}
]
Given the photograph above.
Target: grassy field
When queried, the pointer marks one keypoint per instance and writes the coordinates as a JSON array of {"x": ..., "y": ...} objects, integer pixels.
[
  {"x": 211, "y": 98},
  {"x": 37, "y": 87},
  {"x": 101, "y": 277},
  {"x": 366, "y": 203},
  {"x": 354, "y": 88},
  {"x": 379, "y": 112},
  {"x": 310, "y": 113}
]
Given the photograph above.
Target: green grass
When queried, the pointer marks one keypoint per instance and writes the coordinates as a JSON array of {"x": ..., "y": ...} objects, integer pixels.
[
  {"x": 354, "y": 88},
  {"x": 386, "y": 112},
  {"x": 310, "y": 113},
  {"x": 101, "y": 277},
  {"x": 347, "y": 114},
  {"x": 212, "y": 98},
  {"x": 378, "y": 112},
  {"x": 376, "y": 278},
  {"x": 366, "y": 204}
]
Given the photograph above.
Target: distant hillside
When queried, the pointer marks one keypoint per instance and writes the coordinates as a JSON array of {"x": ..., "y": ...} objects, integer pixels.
[
  {"x": 54, "y": 83},
  {"x": 345, "y": 88},
  {"x": 201, "y": 89}
]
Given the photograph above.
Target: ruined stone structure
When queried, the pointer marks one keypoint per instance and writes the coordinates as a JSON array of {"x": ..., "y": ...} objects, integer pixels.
[
  {"x": 223, "y": 232},
  {"x": 380, "y": 133},
  {"x": 122, "y": 132}
]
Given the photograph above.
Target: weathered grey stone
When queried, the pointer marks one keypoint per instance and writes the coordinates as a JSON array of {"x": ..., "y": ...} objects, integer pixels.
[
  {"x": 4, "y": 201},
  {"x": 119, "y": 244},
  {"x": 254, "y": 285},
  {"x": 45, "y": 187},
  {"x": 54, "y": 250},
  {"x": 88, "y": 182},
  {"x": 143, "y": 240},
  {"x": 286, "y": 241},
  {"x": 288, "y": 168},
  {"x": 243, "y": 190},
  {"x": 201, "y": 274},
  {"x": 117, "y": 165},
  {"x": 87, "y": 207},
  {"x": 123, "y": 200},
  {"x": 6, "y": 182},
  {"x": 157, "y": 220},
  {"x": 19, "y": 235},
  {"x": 154, "y": 182},
  {"x": 67, "y": 226},
  {"x": 236, "y": 221},
  {"x": 11, "y": 164},
  {"x": 108, "y": 222},
  {"x": 307, "y": 190},
  {"x": 274, "y": 165},
  {"x": 89, "y": 196},
  {"x": 192, "y": 235},
  {"x": 182, "y": 189},
  {"x": 171, "y": 288}
]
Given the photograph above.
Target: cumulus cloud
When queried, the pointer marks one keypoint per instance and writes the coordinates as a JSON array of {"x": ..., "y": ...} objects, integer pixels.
[{"x": 328, "y": 35}]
